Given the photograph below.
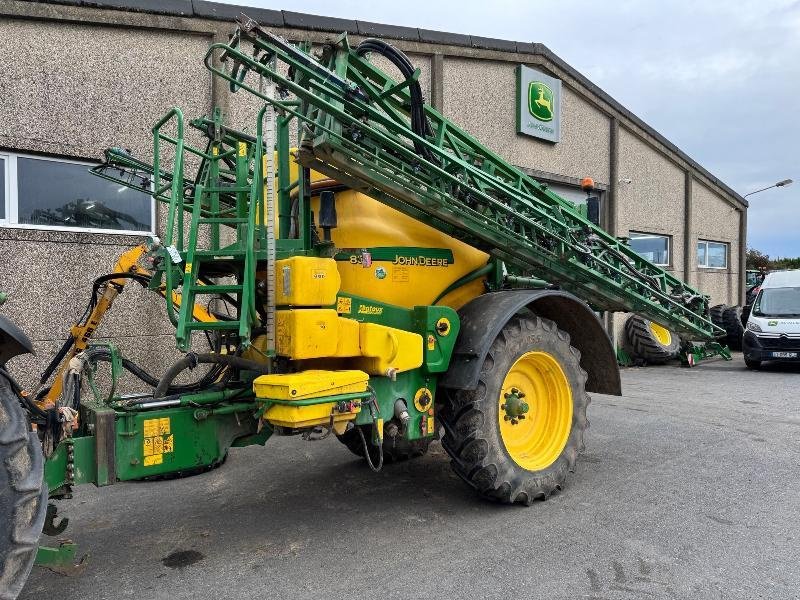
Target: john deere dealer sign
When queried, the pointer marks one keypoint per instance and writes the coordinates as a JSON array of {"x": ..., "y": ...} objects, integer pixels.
[{"x": 538, "y": 104}]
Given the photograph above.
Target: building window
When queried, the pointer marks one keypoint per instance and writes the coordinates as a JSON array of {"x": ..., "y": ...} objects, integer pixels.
[
  {"x": 712, "y": 255},
  {"x": 651, "y": 246},
  {"x": 49, "y": 193}
]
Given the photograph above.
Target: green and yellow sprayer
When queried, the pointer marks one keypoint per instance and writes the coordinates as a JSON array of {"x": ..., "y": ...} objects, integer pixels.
[{"x": 385, "y": 278}]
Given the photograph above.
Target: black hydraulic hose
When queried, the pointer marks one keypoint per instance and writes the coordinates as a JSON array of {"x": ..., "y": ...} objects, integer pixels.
[
  {"x": 102, "y": 354},
  {"x": 142, "y": 279},
  {"x": 65, "y": 348},
  {"x": 191, "y": 360},
  {"x": 419, "y": 120}
]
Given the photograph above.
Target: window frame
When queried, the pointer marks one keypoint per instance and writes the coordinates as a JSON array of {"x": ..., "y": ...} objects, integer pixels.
[
  {"x": 11, "y": 220},
  {"x": 726, "y": 245},
  {"x": 632, "y": 233},
  {"x": 6, "y": 158}
]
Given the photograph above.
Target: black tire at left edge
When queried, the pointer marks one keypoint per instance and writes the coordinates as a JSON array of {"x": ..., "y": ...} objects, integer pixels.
[{"x": 23, "y": 494}]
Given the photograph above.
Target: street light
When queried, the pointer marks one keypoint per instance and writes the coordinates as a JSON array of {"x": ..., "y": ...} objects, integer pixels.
[{"x": 781, "y": 183}]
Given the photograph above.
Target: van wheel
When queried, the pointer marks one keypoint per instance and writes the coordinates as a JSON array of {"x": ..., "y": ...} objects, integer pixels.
[{"x": 753, "y": 365}]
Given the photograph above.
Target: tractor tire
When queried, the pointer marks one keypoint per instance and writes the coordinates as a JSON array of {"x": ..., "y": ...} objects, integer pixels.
[
  {"x": 23, "y": 494},
  {"x": 510, "y": 465},
  {"x": 732, "y": 322},
  {"x": 716, "y": 313},
  {"x": 650, "y": 342},
  {"x": 746, "y": 310},
  {"x": 394, "y": 450}
]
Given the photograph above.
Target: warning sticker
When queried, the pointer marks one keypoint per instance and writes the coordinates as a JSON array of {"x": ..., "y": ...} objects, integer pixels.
[
  {"x": 344, "y": 305},
  {"x": 157, "y": 440},
  {"x": 400, "y": 274}
]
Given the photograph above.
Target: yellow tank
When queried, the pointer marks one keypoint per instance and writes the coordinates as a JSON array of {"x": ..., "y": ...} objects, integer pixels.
[{"x": 411, "y": 263}]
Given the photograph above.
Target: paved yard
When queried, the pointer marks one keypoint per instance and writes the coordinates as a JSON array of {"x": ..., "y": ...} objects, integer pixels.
[{"x": 689, "y": 488}]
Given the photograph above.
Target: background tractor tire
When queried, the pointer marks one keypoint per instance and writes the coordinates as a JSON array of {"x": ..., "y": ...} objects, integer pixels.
[
  {"x": 732, "y": 322},
  {"x": 716, "y": 313},
  {"x": 651, "y": 342},
  {"x": 394, "y": 450},
  {"x": 23, "y": 494},
  {"x": 473, "y": 419}
]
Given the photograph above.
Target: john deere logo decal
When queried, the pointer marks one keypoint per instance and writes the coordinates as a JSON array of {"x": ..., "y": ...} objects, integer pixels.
[{"x": 540, "y": 101}]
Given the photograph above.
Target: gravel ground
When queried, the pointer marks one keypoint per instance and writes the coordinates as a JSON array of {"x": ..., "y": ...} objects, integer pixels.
[{"x": 688, "y": 489}]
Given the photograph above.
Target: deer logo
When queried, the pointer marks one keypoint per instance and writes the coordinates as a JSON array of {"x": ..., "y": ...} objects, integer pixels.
[{"x": 540, "y": 101}]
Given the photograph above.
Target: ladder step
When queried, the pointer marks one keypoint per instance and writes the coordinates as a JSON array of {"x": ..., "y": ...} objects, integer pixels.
[
  {"x": 208, "y": 325},
  {"x": 218, "y": 253},
  {"x": 226, "y": 190},
  {"x": 216, "y": 289},
  {"x": 222, "y": 220}
]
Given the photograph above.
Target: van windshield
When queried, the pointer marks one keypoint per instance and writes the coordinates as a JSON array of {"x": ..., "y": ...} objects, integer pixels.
[{"x": 778, "y": 302}]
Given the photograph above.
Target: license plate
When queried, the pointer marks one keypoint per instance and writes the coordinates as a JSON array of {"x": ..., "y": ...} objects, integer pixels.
[{"x": 784, "y": 355}]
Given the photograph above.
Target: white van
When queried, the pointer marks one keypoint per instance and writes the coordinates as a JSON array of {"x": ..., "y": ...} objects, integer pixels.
[{"x": 773, "y": 328}]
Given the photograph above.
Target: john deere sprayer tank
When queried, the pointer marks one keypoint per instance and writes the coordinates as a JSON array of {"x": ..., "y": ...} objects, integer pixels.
[{"x": 392, "y": 258}]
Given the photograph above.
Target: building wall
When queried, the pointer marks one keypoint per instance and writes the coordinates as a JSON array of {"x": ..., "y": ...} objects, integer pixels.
[
  {"x": 478, "y": 96},
  {"x": 653, "y": 201},
  {"x": 715, "y": 219},
  {"x": 104, "y": 86}
]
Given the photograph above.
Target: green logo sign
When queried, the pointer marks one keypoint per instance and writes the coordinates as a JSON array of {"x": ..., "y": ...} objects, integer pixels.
[
  {"x": 540, "y": 101},
  {"x": 538, "y": 107}
]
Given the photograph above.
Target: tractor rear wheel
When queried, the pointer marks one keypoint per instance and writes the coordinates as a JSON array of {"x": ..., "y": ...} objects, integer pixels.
[
  {"x": 716, "y": 312},
  {"x": 23, "y": 494},
  {"x": 650, "y": 341},
  {"x": 516, "y": 436},
  {"x": 732, "y": 322},
  {"x": 394, "y": 449}
]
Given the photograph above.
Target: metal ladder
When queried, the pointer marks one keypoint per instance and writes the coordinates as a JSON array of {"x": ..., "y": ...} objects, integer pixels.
[{"x": 228, "y": 191}]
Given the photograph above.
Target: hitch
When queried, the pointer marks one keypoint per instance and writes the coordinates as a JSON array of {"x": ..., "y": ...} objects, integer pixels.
[
  {"x": 691, "y": 354},
  {"x": 61, "y": 559}
]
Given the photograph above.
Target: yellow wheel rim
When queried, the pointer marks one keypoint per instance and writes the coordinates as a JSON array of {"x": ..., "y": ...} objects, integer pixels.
[
  {"x": 535, "y": 441},
  {"x": 662, "y": 334}
]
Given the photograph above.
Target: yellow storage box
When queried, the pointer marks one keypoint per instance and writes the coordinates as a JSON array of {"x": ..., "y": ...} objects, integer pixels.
[
  {"x": 306, "y": 281},
  {"x": 305, "y": 385},
  {"x": 309, "y": 384}
]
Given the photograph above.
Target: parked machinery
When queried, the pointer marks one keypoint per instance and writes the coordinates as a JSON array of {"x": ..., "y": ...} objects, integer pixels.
[{"x": 386, "y": 280}]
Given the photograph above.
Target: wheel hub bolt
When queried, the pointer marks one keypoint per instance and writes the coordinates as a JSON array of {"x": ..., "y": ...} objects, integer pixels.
[{"x": 514, "y": 407}]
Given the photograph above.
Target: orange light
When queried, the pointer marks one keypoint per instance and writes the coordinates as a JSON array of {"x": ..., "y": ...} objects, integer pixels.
[{"x": 587, "y": 184}]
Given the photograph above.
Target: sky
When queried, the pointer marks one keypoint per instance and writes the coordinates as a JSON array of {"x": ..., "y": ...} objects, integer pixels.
[{"x": 719, "y": 79}]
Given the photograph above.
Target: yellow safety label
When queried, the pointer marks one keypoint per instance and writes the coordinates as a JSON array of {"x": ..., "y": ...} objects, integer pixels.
[
  {"x": 188, "y": 268},
  {"x": 157, "y": 440},
  {"x": 344, "y": 305},
  {"x": 400, "y": 274},
  {"x": 242, "y": 149},
  {"x": 431, "y": 342}
]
